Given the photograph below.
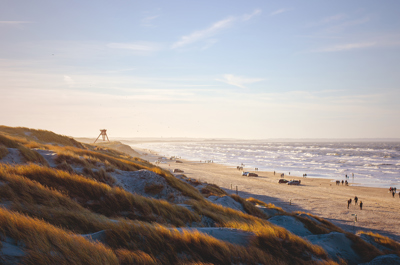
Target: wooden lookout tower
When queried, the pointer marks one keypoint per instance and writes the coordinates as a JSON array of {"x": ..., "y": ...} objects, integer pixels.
[{"x": 103, "y": 133}]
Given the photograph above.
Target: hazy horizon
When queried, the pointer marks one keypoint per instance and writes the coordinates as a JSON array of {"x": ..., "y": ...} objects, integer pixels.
[{"x": 226, "y": 69}]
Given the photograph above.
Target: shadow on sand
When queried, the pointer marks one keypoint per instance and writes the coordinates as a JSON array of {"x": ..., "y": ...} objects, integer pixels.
[{"x": 347, "y": 225}]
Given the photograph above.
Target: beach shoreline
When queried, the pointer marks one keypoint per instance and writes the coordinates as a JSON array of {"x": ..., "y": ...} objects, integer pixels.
[{"x": 322, "y": 197}]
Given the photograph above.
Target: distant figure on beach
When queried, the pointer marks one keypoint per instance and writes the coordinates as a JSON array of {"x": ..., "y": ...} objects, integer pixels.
[
  {"x": 274, "y": 172},
  {"x": 355, "y": 200},
  {"x": 348, "y": 203},
  {"x": 361, "y": 204},
  {"x": 347, "y": 184},
  {"x": 289, "y": 173},
  {"x": 393, "y": 193},
  {"x": 342, "y": 182}
]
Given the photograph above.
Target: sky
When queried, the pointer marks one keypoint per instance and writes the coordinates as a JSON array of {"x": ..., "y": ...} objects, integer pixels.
[{"x": 252, "y": 69}]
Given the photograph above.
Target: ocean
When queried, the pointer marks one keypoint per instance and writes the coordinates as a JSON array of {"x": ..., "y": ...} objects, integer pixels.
[{"x": 373, "y": 164}]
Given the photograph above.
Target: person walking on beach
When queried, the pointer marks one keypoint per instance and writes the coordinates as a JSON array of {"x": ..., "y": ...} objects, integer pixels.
[
  {"x": 342, "y": 182},
  {"x": 355, "y": 200},
  {"x": 348, "y": 203},
  {"x": 393, "y": 193},
  {"x": 361, "y": 204}
]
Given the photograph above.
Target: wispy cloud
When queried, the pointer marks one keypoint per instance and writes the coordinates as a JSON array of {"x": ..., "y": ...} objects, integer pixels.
[
  {"x": 347, "y": 47},
  {"x": 137, "y": 47},
  {"x": 214, "y": 29},
  {"x": 14, "y": 22},
  {"x": 239, "y": 81},
  {"x": 69, "y": 81},
  {"x": 279, "y": 11},
  {"x": 148, "y": 21},
  {"x": 250, "y": 16},
  {"x": 205, "y": 33}
]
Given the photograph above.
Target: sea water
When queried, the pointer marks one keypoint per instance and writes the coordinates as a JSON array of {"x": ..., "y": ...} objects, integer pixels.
[{"x": 375, "y": 164}]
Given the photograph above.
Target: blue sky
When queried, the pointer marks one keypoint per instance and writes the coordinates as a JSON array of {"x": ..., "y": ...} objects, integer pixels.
[{"x": 224, "y": 69}]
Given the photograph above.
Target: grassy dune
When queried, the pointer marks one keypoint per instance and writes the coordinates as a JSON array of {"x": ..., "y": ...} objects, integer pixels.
[{"x": 47, "y": 208}]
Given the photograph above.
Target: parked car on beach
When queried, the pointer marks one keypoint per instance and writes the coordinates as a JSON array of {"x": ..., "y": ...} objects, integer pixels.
[
  {"x": 245, "y": 173},
  {"x": 252, "y": 174},
  {"x": 294, "y": 182},
  {"x": 283, "y": 181}
]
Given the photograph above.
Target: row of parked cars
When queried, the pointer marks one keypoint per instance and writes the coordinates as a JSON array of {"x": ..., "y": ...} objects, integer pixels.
[
  {"x": 249, "y": 174},
  {"x": 285, "y": 181},
  {"x": 290, "y": 182}
]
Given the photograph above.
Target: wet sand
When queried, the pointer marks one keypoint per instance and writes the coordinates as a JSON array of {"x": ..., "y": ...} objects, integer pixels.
[{"x": 322, "y": 197}]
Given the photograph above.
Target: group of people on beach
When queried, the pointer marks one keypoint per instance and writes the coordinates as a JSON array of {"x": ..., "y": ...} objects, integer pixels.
[
  {"x": 343, "y": 182},
  {"x": 355, "y": 202},
  {"x": 393, "y": 191}
]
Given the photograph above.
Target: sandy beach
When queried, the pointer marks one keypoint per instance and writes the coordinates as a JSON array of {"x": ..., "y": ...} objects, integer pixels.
[{"x": 322, "y": 197}]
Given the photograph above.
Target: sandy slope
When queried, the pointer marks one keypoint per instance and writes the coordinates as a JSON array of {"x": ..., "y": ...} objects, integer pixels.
[{"x": 381, "y": 212}]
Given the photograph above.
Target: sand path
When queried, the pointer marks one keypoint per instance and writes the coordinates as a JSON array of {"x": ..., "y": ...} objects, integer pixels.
[{"x": 381, "y": 212}]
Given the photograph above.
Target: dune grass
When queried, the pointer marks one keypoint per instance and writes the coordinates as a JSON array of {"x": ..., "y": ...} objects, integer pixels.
[
  {"x": 267, "y": 205},
  {"x": 33, "y": 199},
  {"x": 213, "y": 190},
  {"x": 173, "y": 247},
  {"x": 78, "y": 156},
  {"x": 103, "y": 199},
  {"x": 127, "y": 257},
  {"x": 46, "y": 244},
  {"x": 365, "y": 250},
  {"x": 249, "y": 207},
  {"x": 28, "y": 154},
  {"x": 393, "y": 246},
  {"x": 41, "y": 136},
  {"x": 270, "y": 238},
  {"x": 3, "y": 151}
]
